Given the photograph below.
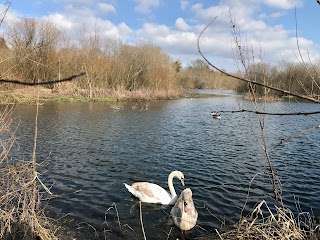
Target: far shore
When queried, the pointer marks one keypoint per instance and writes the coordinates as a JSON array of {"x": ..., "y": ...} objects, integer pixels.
[{"x": 30, "y": 95}]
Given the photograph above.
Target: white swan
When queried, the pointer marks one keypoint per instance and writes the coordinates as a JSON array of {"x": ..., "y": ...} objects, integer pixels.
[
  {"x": 184, "y": 213},
  {"x": 153, "y": 193}
]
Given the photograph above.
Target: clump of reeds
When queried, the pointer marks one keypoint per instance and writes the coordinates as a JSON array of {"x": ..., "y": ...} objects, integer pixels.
[
  {"x": 263, "y": 223},
  {"x": 21, "y": 212}
]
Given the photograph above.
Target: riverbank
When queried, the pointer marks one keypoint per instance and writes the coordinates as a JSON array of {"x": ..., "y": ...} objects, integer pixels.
[
  {"x": 263, "y": 222},
  {"x": 29, "y": 95}
]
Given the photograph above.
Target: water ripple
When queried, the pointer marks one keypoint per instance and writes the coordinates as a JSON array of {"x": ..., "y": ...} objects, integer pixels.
[{"x": 92, "y": 149}]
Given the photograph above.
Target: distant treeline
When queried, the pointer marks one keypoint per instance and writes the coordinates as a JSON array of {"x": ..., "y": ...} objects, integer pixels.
[
  {"x": 302, "y": 78},
  {"x": 32, "y": 51}
]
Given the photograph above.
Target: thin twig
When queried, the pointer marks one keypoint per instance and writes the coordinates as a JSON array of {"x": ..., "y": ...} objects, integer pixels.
[
  {"x": 303, "y": 132},
  {"x": 44, "y": 186},
  {"x": 141, "y": 222},
  {"x": 88, "y": 224},
  {"x": 169, "y": 233},
  {"x": 219, "y": 234},
  {"x": 115, "y": 207},
  {"x": 5, "y": 11},
  {"x": 248, "y": 192}
]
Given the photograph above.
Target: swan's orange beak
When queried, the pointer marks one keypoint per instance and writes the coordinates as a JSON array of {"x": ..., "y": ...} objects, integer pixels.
[{"x": 182, "y": 181}]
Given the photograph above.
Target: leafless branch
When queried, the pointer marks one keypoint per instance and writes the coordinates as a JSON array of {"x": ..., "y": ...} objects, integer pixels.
[
  {"x": 43, "y": 83},
  {"x": 244, "y": 79},
  {"x": 303, "y": 132},
  {"x": 269, "y": 113},
  {"x": 4, "y": 13},
  {"x": 301, "y": 60}
]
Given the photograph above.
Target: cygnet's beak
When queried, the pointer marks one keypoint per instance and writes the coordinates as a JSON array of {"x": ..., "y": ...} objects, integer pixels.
[{"x": 182, "y": 181}]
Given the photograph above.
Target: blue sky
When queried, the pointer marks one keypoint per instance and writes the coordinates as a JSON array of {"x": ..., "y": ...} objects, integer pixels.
[{"x": 174, "y": 25}]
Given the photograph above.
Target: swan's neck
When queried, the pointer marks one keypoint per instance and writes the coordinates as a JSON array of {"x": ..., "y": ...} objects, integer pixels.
[{"x": 170, "y": 184}]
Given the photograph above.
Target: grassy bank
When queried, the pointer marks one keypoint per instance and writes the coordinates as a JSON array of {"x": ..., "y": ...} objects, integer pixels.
[{"x": 28, "y": 95}]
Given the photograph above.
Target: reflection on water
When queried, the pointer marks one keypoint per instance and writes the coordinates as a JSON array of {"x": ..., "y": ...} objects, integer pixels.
[{"x": 90, "y": 149}]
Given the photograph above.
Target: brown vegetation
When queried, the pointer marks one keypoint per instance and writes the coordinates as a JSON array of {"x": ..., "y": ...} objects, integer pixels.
[
  {"x": 21, "y": 212},
  {"x": 38, "y": 52},
  {"x": 292, "y": 77},
  {"x": 263, "y": 223},
  {"x": 199, "y": 76}
]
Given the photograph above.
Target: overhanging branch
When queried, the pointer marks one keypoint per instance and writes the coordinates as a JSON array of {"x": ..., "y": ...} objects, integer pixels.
[
  {"x": 42, "y": 83},
  {"x": 244, "y": 79}
]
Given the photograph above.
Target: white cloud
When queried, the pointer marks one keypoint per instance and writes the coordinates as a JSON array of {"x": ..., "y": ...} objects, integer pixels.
[
  {"x": 82, "y": 11},
  {"x": 217, "y": 40},
  {"x": 144, "y": 6},
  {"x": 170, "y": 40},
  {"x": 181, "y": 25},
  {"x": 179, "y": 39},
  {"x": 105, "y": 8},
  {"x": 83, "y": 20},
  {"x": 85, "y": 2},
  {"x": 284, "y": 4},
  {"x": 182, "y": 44},
  {"x": 271, "y": 15},
  {"x": 184, "y": 4},
  {"x": 119, "y": 32},
  {"x": 60, "y": 21}
]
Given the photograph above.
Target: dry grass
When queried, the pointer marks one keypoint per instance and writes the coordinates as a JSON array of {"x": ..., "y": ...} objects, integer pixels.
[
  {"x": 119, "y": 93},
  {"x": 28, "y": 95},
  {"x": 21, "y": 211},
  {"x": 263, "y": 223}
]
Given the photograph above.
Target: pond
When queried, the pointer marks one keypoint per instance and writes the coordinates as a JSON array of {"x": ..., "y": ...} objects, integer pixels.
[{"x": 88, "y": 150}]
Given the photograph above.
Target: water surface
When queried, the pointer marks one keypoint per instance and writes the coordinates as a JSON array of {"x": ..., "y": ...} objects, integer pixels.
[{"x": 88, "y": 150}]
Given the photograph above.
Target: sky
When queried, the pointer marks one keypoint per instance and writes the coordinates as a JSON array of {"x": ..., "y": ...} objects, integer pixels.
[{"x": 268, "y": 27}]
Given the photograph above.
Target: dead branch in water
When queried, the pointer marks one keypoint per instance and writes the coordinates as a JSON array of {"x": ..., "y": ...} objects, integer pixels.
[
  {"x": 302, "y": 132},
  {"x": 269, "y": 113}
]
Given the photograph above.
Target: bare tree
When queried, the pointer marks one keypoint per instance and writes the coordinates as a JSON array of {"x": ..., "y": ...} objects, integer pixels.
[{"x": 34, "y": 44}]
